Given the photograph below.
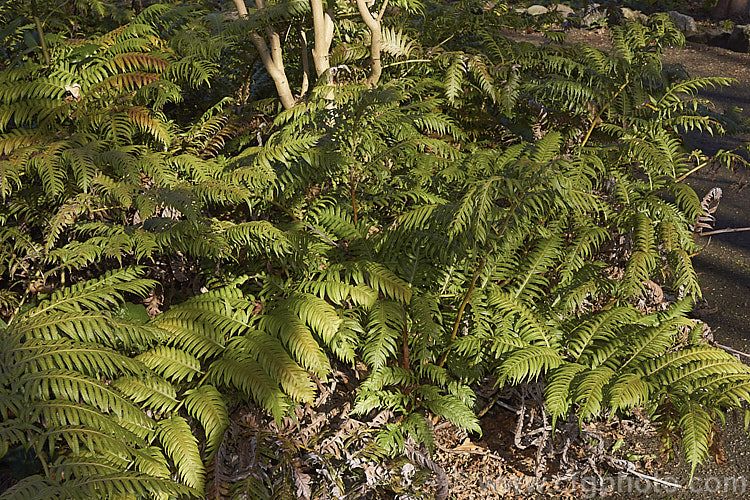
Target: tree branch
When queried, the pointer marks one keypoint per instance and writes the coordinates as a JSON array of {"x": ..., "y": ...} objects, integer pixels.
[
  {"x": 323, "y": 30},
  {"x": 40, "y": 32},
  {"x": 376, "y": 42},
  {"x": 382, "y": 11},
  {"x": 272, "y": 57},
  {"x": 306, "y": 74},
  {"x": 722, "y": 231}
]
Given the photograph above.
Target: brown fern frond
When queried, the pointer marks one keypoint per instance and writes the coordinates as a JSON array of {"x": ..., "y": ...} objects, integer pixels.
[
  {"x": 148, "y": 124},
  {"x": 127, "y": 81},
  {"x": 134, "y": 61},
  {"x": 111, "y": 37},
  {"x": 709, "y": 205},
  {"x": 231, "y": 129},
  {"x": 206, "y": 130}
]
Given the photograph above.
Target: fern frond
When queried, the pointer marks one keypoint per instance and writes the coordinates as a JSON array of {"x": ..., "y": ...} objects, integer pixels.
[
  {"x": 248, "y": 376},
  {"x": 528, "y": 364},
  {"x": 171, "y": 363},
  {"x": 695, "y": 425},
  {"x": 628, "y": 391},
  {"x": 533, "y": 283},
  {"x": 74, "y": 386},
  {"x": 277, "y": 363},
  {"x": 558, "y": 394},
  {"x": 99, "y": 293},
  {"x": 589, "y": 391},
  {"x": 297, "y": 338},
  {"x": 182, "y": 447},
  {"x": 385, "y": 324},
  {"x": 396, "y": 43},
  {"x": 206, "y": 404},
  {"x": 151, "y": 391}
]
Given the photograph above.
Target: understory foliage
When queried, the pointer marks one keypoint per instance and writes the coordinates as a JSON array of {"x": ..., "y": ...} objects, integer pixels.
[{"x": 490, "y": 210}]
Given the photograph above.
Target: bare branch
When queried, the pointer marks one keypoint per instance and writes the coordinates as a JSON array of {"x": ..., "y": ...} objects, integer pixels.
[
  {"x": 376, "y": 42},
  {"x": 722, "y": 231},
  {"x": 241, "y": 7},
  {"x": 730, "y": 350},
  {"x": 305, "y": 65},
  {"x": 382, "y": 11},
  {"x": 323, "y": 29},
  {"x": 272, "y": 57}
]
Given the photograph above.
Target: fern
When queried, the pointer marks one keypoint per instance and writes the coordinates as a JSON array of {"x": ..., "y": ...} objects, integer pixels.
[
  {"x": 57, "y": 395},
  {"x": 180, "y": 444},
  {"x": 466, "y": 217}
]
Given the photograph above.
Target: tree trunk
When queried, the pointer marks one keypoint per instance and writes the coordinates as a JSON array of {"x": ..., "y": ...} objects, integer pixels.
[
  {"x": 323, "y": 28},
  {"x": 272, "y": 56},
  {"x": 376, "y": 39}
]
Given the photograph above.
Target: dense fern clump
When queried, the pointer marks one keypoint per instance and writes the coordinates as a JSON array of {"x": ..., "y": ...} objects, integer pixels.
[
  {"x": 105, "y": 397},
  {"x": 476, "y": 209}
]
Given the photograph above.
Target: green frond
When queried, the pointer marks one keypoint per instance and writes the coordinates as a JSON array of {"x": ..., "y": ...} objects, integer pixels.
[
  {"x": 152, "y": 462},
  {"x": 454, "y": 77},
  {"x": 628, "y": 391},
  {"x": 651, "y": 342},
  {"x": 247, "y": 376},
  {"x": 94, "y": 294},
  {"x": 601, "y": 326},
  {"x": 277, "y": 363},
  {"x": 206, "y": 405},
  {"x": 532, "y": 281},
  {"x": 103, "y": 486},
  {"x": 454, "y": 410},
  {"x": 521, "y": 319},
  {"x": 382, "y": 279},
  {"x": 696, "y": 428},
  {"x": 584, "y": 245},
  {"x": 528, "y": 364},
  {"x": 80, "y": 438},
  {"x": 558, "y": 394},
  {"x": 182, "y": 447},
  {"x": 675, "y": 361},
  {"x": 74, "y": 386},
  {"x": 643, "y": 259},
  {"x": 150, "y": 391},
  {"x": 546, "y": 148},
  {"x": 338, "y": 292},
  {"x": 60, "y": 413},
  {"x": 88, "y": 358},
  {"x": 297, "y": 339},
  {"x": 171, "y": 363},
  {"x": 318, "y": 314},
  {"x": 589, "y": 391},
  {"x": 384, "y": 330},
  {"x": 347, "y": 340}
]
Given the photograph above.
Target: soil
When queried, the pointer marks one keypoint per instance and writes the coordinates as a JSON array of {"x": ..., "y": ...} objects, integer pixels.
[{"x": 723, "y": 265}]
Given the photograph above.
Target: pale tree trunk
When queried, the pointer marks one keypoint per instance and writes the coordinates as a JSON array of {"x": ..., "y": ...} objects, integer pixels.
[
  {"x": 271, "y": 56},
  {"x": 376, "y": 39},
  {"x": 306, "y": 72},
  {"x": 323, "y": 28}
]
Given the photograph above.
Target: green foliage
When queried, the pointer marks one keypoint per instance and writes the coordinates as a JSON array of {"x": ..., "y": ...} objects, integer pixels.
[
  {"x": 91, "y": 392},
  {"x": 490, "y": 209}
]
